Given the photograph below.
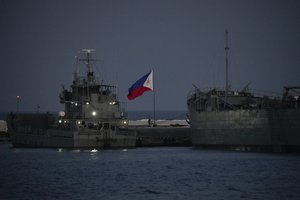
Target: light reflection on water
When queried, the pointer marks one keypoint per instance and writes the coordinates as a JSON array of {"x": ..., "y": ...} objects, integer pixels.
[
  {"x": 146, "y": 173},
  {"x": 94, "y": 156}
]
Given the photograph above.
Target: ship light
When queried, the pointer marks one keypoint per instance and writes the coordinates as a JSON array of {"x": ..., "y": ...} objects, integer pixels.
[
  {"x": 124, "y": 122},
  {"x": 94, "y": 113},
  {"x": 61, "y": 114},
  {"x": 76, "y": 104},
  {"x": 65, "y": 121},
  {"x": 112, "y": 103},
  {"x": 60, "y": 121},
  {"x": 87, "y": 103},
  {"x": 79, "y": 122}
]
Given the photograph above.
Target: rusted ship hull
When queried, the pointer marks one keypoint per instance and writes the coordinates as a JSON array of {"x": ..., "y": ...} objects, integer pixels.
[{"x": 257, "y": 129}]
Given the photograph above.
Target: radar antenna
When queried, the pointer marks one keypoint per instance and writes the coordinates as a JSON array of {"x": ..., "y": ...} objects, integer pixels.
[{"x": 88, "y": 60}]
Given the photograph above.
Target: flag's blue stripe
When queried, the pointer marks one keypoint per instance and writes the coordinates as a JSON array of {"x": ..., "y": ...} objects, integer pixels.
[{"x": 139, "y": 83}]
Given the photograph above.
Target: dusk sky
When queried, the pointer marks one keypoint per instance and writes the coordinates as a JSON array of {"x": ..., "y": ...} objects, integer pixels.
[{"x": 182, "y": 40}]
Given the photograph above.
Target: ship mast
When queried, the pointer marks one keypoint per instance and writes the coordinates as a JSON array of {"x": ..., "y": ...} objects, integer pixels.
[
  {"x": 226, "y": 65},
  {"x": 226, "y": 61},
  {"x": 88, "y": 63},
  {"x": 90, "y": 73}
]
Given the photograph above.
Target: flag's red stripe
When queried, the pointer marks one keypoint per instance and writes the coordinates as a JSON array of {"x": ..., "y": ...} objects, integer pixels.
[{"x": 137, "y": 92}]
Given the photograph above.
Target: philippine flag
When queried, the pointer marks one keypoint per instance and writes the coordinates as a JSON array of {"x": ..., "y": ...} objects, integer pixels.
[{"x": 140, "y": 86}]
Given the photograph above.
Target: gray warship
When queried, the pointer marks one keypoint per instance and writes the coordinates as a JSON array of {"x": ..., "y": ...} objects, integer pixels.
[
  {"x": 93, "y": 117},
  {"x": 245, "y": 120}
]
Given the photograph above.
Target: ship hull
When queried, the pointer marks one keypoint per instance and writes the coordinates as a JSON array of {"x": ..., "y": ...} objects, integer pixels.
[
  {"x": 256, "y": 129},
  {"x": 74, "y": 140},
  {"x": 36, "y": 130}
]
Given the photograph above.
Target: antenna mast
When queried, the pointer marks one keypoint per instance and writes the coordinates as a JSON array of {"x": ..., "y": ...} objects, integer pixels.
[
  {"x": 226, "y": 60},
  {"x": 90, "y": 74},
  {"x": 88, "y": 59}
]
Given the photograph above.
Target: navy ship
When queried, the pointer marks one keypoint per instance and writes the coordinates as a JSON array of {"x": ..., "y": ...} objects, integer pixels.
[
  {"x": 93, "y": 117},
  {"x": 244, "y": 119}
]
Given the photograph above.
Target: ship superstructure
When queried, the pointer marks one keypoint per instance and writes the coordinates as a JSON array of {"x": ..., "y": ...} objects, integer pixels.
[{"x": 93, "y": 117}]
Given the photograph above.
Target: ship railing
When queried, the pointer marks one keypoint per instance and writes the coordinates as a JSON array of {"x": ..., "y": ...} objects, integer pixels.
[
  {"x": 104, "y": 89},
  {"x": 196, "y": 93},
  {"x": 205, "y": 90},
  {"x": 221, "y": 91},
  {"x": 81, "y": 80},
  {"x": 108, "y": 89},
  {"x": 264, "y": 93}
]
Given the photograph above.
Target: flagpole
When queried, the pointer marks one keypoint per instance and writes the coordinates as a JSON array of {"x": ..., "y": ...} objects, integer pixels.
[{"x": 154, "y": 117}]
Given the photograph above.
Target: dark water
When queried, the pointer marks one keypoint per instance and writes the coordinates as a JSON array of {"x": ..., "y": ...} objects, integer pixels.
[{"x": 147, "y": 173}]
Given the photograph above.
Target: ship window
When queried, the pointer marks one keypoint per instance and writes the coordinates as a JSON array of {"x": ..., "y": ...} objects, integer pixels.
[
  {"x": 99, "y": 126},
  {"x": 90, "y": 125},
  {"x": 106, "y": 125}
]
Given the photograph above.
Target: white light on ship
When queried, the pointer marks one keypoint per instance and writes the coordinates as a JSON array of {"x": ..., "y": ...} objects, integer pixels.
[
  {"x": 65, "y": 121},
  {"x": 76, "y": 104},
  {"x": 124, "y": 122},
  {"x": 61, "y": 114},
  {"x": 79, "y": 122},
  {"x": 59, "y": 121},
  {"x": 94, "y": 113},
  {"x": 87, "y": 103}
]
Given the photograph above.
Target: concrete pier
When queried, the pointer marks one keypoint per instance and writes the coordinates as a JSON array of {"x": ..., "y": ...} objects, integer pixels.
[{"x": 164, "y": 133}]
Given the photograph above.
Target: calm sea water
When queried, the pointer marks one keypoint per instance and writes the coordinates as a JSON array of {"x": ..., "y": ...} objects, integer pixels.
[{"x": 147, "y": 173}]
